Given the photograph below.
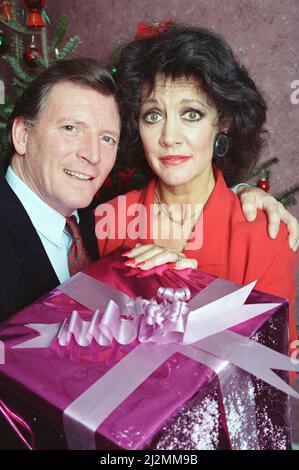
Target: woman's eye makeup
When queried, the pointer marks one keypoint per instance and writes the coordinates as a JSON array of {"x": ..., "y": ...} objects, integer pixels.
[
  {"x": 192, "y": 115},
  {"x": 151, "y": 117}
]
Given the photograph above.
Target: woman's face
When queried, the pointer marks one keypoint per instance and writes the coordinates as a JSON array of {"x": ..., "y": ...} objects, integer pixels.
[{"x": 177, "y": 126}]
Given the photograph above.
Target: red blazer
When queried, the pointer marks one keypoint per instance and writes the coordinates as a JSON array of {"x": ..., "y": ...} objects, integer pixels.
[{"x": 232, "y": 248}]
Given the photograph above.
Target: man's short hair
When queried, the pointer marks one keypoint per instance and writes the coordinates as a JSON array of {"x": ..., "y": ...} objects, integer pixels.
[{"x": 83, "y": 71}]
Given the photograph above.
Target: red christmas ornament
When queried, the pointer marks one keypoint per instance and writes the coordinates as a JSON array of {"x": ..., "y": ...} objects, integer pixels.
[
  {"x": 145, "y": 30},
  {"x": 35, "y": 16},
  {"x": 6, "y": 11},
  {"x": 31, "y": 55},
  {"x": 35, "y": 19},
  {"x": 264, "y": 184}
]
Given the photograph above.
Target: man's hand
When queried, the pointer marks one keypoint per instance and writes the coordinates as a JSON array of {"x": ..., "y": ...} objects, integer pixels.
[
  {"x": 254, "y": 198},
  {"x": 149, "y": 256}
]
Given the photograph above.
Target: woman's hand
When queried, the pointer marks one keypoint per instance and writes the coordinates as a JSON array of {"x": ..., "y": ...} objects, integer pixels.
[
  {"x": 254, "y": 198},
  {"x": 148, "y": 256}
]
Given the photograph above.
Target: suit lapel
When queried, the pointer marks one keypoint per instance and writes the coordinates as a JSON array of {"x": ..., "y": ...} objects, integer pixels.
[{"x": 26, "y": 249}]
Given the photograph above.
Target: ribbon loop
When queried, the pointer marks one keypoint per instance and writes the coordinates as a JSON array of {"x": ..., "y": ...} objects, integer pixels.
[
  {"x": 155, "y": 313},
  {"x": 170, "y": 294},
  {"x": 162, "y": 321}
]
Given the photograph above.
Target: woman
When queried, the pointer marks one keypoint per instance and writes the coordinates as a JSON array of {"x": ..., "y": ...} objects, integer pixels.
[{"x": 194, "y": 119}]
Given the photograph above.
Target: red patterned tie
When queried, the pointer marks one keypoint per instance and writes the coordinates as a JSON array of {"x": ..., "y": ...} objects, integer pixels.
[{"x": 78, "y": 257}]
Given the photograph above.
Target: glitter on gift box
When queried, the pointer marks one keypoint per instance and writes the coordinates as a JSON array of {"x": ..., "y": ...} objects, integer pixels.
[
  {"x": 194, "y": 428},
  {"x": 272, "y": 435},
  {"x": 239, "y": 404},
  {"x": 272, "y": 407},
  {"x": 125, "y": 436}
]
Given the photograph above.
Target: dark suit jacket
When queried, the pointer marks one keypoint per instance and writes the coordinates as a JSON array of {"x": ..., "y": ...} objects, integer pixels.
[{"x": 25, "y": 269}]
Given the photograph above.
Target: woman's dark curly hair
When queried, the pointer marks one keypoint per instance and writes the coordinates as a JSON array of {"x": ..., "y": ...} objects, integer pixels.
[{"x": 200, "y": 54}]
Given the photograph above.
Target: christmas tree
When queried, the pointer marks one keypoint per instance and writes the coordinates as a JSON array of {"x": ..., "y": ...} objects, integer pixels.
[
  {"x": 22, "y": 23},
  {"x": 262, "y": 174}
]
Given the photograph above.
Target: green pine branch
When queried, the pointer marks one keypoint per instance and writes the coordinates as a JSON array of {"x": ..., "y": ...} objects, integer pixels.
[
  {"x": 287, "y": 197},
  {"x": 6, "y": 109},
  {"x": 17, "y": 46},
  {"x": 112, "y": 64},
  {"x": 62, "y": 27},
  {"x": 288, "y": 201},
  {"x": 69, "y": 47},
  {"x": 40, "y": 61},
  {"x": 19, "y": 84},
  {"x": 18, "y": 70},
  {"x": 17, "y": 26},
  {"x": 3, "y": 139},
  {"x": 16, "y": 10},
  {"x": 259, "y": 169},
  {"x": 44, "y": 62}
]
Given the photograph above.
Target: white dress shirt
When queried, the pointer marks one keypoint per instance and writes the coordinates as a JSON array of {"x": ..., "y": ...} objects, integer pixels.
[{"x": 49, "y": 224}]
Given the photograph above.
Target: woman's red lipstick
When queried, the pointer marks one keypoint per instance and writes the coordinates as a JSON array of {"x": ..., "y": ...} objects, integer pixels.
[{"x": 174, "y": 159}]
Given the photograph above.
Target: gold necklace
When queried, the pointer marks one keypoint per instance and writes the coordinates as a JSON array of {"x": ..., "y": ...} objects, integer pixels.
[{"x": 167, "y": 213}]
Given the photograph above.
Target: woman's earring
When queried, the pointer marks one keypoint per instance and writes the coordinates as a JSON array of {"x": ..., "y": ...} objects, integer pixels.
[{"x": 221, "y": 145}]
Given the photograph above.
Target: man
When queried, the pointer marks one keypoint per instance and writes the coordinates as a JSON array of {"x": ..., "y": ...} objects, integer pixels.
[{"x": 64, "y": 133}]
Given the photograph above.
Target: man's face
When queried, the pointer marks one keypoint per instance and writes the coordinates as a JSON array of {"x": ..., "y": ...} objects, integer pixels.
[{"x": 71, "y": 148}]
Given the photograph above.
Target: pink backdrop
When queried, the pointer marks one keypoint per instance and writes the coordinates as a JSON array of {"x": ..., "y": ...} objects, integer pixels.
[{"x": 263, "y": 33}]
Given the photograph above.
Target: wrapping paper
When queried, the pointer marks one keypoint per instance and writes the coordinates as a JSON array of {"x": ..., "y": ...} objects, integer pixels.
[{"x": 182, "y": 405}]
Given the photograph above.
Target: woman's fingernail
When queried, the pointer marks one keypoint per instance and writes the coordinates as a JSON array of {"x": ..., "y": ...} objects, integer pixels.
[
  {"x": 273, "y": 231},
  {"x": 126, "y": 253},
  {"x": 171, "y": 265},
  {"x": 130, "y": 262},
  {"x": 249, "y": 216},
  {"x": 140, "y": 264}
]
